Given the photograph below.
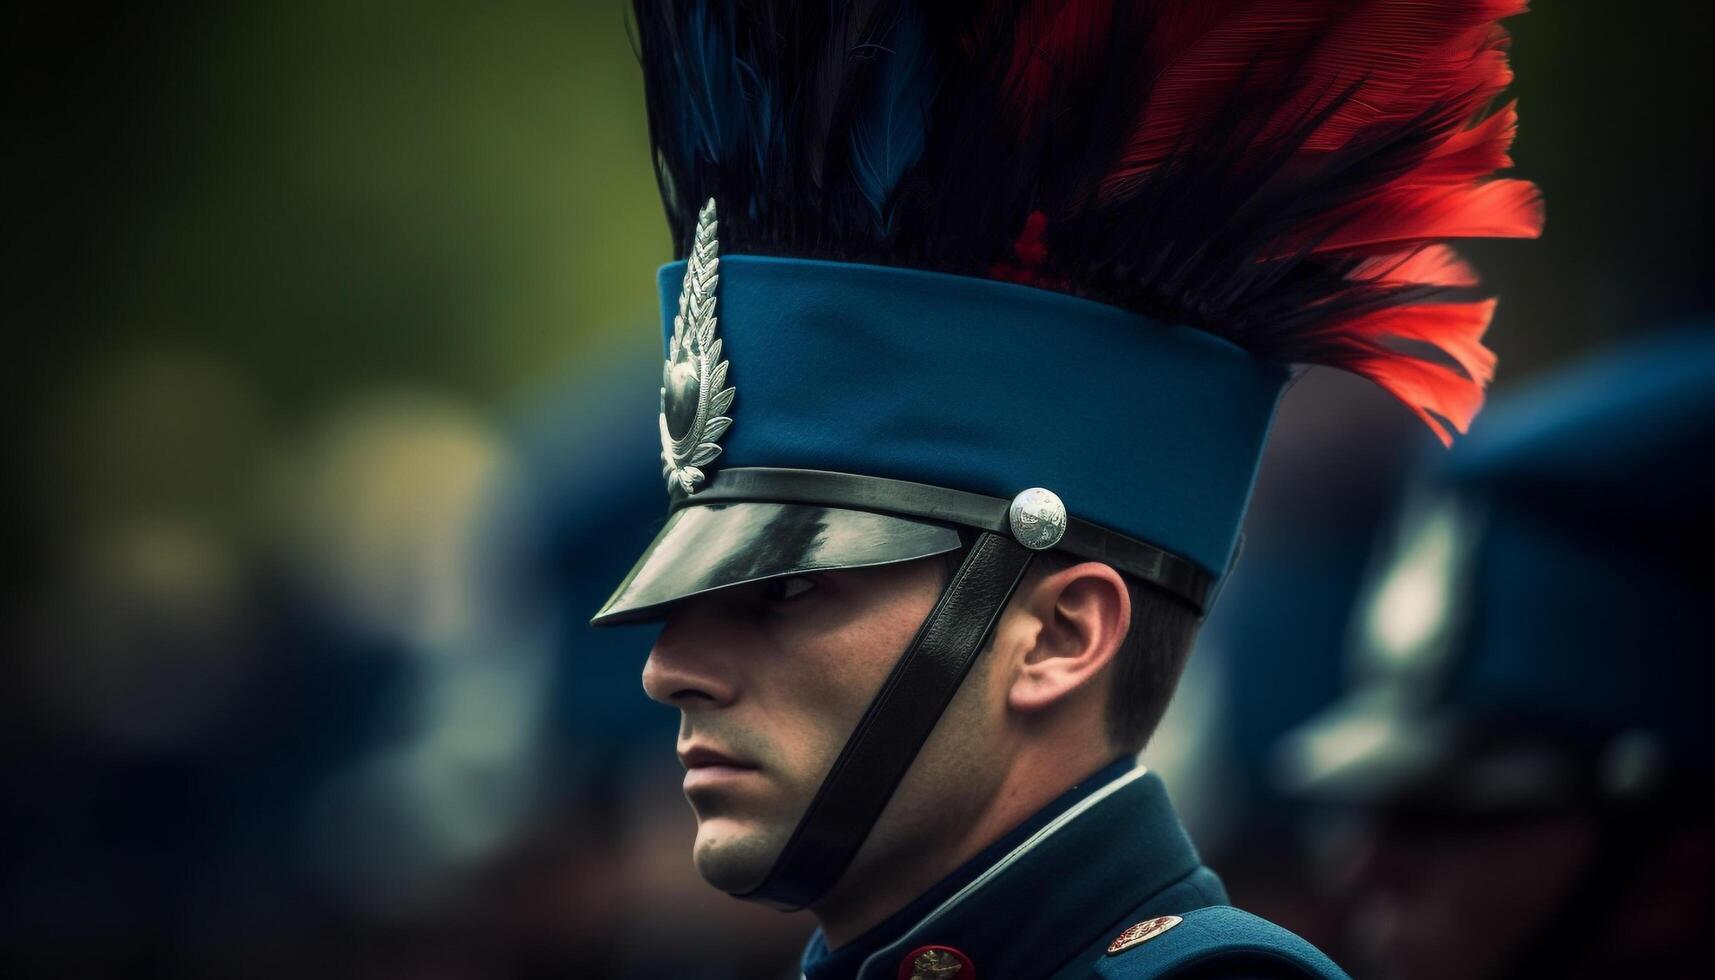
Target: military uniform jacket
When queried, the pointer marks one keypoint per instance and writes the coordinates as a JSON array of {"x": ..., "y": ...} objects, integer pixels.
[{"x": 1103, "y": 883}]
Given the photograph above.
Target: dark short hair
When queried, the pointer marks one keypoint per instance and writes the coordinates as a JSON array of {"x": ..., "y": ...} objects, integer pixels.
[
  {"x": 1147, "y": 666},
  {"x": 1150, "y": 659}
]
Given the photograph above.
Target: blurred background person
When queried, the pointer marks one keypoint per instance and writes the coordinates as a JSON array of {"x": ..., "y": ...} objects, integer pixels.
[
  {"x": 1523, "y": 761},
  {"x": 310, "y": 303}
]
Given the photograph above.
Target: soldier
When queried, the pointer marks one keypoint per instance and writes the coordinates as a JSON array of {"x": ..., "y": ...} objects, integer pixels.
[
  {"x": 1527, "y": 744},
  {"x": 983, "y": 316}
]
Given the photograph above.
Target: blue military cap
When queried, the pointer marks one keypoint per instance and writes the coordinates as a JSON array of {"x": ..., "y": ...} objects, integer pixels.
[
  {"x": 1541, "y": 630},
  {"x": 996, "y": 387}
]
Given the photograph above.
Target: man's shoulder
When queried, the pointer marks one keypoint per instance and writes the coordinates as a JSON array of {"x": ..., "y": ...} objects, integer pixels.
[{"x": 1214, "y": 942}]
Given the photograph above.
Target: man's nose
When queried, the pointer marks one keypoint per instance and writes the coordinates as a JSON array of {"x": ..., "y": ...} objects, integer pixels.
[{"x": 687, "y": 668}]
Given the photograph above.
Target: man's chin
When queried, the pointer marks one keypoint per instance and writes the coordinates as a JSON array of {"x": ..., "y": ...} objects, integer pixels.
[{"x": 733, "y": 855}]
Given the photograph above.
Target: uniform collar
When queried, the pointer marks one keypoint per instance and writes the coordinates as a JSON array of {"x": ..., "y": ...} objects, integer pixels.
[{"x": 1024, "y": 901}]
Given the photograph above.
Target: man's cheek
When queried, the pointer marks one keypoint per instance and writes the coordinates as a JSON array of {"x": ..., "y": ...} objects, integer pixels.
[{"x": 808, "y": 744}]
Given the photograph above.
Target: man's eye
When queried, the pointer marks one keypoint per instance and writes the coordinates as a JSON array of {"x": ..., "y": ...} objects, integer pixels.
[{"x": 789, "y": 587}]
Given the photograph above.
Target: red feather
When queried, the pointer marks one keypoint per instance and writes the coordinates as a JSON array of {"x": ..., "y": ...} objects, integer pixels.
[
  {"x": 1473, "y": 153},
  {"x": 1207, "y": 60},
  {"x": 1438, "y": 395},
  {"x": 1456, "y": 328},
  {"x": 1051, "y": 39},
  {"x": 1314, "y": 77},
  {"x": 1401, "y": 215},
  {"x": 1429, "y": 265},
  {"x": 1378, "y": 346}
]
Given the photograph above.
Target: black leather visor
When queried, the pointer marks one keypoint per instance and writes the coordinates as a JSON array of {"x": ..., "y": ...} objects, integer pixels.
[{"x": 713, "y": 546}]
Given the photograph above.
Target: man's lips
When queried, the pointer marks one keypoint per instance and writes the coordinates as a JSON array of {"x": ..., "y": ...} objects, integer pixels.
[
  {"x": 707, "y": 757},
  {"x": 707, "y": 768}
]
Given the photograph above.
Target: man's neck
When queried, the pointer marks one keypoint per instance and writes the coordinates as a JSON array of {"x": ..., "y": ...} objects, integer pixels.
[{"x": 871, "y": 893}]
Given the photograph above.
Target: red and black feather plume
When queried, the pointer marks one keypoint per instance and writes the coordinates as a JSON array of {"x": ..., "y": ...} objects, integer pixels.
[{"x": 1287, "y": 174}]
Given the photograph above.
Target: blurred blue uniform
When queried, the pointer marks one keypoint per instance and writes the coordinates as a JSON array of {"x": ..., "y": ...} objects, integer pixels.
[
  {"x": 589, "y": 502},
  {"x": 1535, "y": 647}
]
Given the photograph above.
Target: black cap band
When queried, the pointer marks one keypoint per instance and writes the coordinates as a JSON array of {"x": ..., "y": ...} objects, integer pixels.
[{"x": 1151, "y": 564}]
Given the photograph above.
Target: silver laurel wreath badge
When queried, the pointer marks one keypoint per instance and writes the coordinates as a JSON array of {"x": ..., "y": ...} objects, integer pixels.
[{"x": 694, "y": 399}]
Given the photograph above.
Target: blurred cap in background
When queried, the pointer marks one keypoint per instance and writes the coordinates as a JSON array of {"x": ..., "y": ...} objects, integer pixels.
[
  {"x": 1517, "y": 781},
  {"x": 1536, "y": 632}
]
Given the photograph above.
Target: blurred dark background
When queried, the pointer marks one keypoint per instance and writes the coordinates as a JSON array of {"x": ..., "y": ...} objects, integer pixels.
[{"x": 331, "y": 419}]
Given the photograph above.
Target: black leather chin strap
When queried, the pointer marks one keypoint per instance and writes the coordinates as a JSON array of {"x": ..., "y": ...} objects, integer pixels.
[{"x": 895, "y": 725}]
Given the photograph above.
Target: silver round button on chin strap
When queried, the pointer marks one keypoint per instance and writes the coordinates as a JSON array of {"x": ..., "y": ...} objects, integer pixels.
[{"x": 1038, "y": 519}]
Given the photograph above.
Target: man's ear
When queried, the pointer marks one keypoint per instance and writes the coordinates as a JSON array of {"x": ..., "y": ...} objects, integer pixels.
[{"x": 1081, "y": 615}]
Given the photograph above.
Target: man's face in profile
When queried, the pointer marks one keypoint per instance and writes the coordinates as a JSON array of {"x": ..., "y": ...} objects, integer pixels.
[{"x": 770, "y": 678}]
